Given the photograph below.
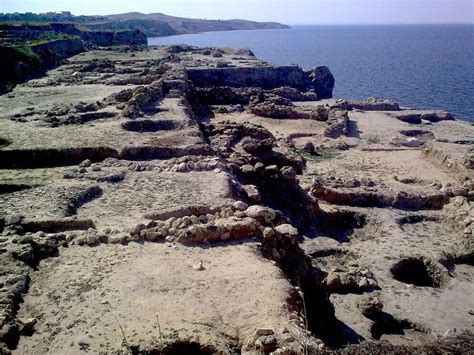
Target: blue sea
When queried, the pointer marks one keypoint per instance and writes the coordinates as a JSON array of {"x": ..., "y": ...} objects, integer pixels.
[{"x": 423, "y": 66}]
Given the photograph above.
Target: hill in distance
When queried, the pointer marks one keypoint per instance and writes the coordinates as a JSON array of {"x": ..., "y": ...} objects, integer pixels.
[{"x": 153, "y": 25}]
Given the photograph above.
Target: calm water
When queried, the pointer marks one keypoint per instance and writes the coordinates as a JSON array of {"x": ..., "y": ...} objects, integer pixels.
[{"x": 425, "y": 66}]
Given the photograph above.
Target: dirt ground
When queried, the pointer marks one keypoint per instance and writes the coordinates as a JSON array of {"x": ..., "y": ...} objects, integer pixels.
[
  {"x": 154, "y": 228},
  {"x": 83, "y": 298}
]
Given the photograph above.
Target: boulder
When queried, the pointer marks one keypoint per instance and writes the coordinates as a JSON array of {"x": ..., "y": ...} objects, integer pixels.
[
  {"x": 247, "y": 169},
  {"x": 337, "y": 123},
  {"x": 333, "y": 281},
  {"x": 411, "y": 142},
  {"x": 27, "y": 324},
  {"x": 288, "y": 231},
  {"x": 252, "y": 192},
  {"x": 309, "y": 148},
  {"x": 288, "y": 173},
  {"x": 370, "y": 306},
  {"x": 323, "y": 81},
  {"x": 260, "y": 213},
  {"x": 371, "y": 104},
  {"x": 239, "y": 206}
]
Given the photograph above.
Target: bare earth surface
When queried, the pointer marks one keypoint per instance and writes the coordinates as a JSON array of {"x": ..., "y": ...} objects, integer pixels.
[
  {"x": 148, "y": 287},
  {"x": 143, "y": 213}
]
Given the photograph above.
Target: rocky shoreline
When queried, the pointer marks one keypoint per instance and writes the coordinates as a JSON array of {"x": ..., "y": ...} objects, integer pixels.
[{"x": 200, "y": 200}]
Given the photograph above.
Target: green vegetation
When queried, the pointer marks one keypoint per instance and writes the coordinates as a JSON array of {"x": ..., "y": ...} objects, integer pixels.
[
  {"x": 25, "y": 52},
  {"x": 322, "y": 154},
  {"x": 48, "y": 37},
  {"x": 31, "y": 176},
  {"x": 150, "y": 24},
  {"x": 326, "y": 154},
  {"x": 373, "y": 140},
  {"x": 39, "y": 38},
  {"x": 62, "y": 17}
]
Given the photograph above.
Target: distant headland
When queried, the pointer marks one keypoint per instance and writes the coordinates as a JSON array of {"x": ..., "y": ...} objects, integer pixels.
[{"x": 153, "y": 25}]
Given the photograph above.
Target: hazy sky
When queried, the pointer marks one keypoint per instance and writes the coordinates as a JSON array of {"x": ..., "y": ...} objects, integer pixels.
[{"x": 286, "y": 11}]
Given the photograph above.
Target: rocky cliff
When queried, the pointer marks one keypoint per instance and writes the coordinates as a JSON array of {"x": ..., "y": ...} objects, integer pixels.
[
  {"x": 21, "y": 63},
  {"x": 115, "y": 38},
  {"x": 318, "y": 79},
  {"x": 28, "y": 50},
  {"x": 10, "y": 33}
]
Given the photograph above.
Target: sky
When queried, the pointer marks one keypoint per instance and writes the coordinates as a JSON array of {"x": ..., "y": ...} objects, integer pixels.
[{"x": 285, "y": 11}]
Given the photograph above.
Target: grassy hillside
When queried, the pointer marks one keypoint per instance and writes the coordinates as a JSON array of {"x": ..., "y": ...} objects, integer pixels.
[{"x": 153, "y": 25}]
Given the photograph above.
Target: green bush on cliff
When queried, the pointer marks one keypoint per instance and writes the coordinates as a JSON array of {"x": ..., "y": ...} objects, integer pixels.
[
  {"x": 26, "y": 53},
  {"x": 17, "y": 62},
  {"x": 49, "y": 37}
]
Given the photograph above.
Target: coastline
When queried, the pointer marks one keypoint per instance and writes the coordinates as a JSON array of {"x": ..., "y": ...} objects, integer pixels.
[{"x": 366, "y": 75}]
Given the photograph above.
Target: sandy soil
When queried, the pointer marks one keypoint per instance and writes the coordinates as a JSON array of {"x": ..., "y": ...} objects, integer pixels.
[
  {"x": 83, "y": 297},
  {"x": 123, "y": 205}
]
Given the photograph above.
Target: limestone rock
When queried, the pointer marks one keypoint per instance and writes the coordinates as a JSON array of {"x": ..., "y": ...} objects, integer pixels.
[
  {"x": 333, "y": 281},
  {"x": 27, "y": 324},
  {"x": 411, "y": 142},
  {"x": 288, "y": 173},
  {"x": 323, "y": 81},
  {"x": 370, "y": 306},
  {"x": 266, "y": 343},
  {"x": 337, "y": 123},
  {"x": 309, "y": 148},
  {"x": 247, "y": 169},
  {"x": 12, "y": 219},
  {"x": 252, "y": 192},
  {"x": 260, "y": 213},
  {"x": 288, "y": 231},
  {"x": 239, "y": 206},
  {"x": 371, "y": 104}
]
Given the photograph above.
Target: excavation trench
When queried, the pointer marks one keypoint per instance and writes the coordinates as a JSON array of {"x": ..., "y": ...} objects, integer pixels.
[
  {"x": 55, "y": 226},
  {"x": 385, "y": 323},
  {"x": 163, "y": 152},
  {"x": 418, "y": 272},
  {"x": 340, "y": 225},
  {"x": 465, "y": 258},
  {"x": 414, "y": 219},
  {"x": 283, "y": 193},
  {"x": 48, "y": 158},
  {"x": 401, "y": 201},
  {"x": 180, "y": 347},
  {"x": 9, "y": 188},
  {"x": 317, "y": 307},
  {"x": 151, "y": 125}
]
